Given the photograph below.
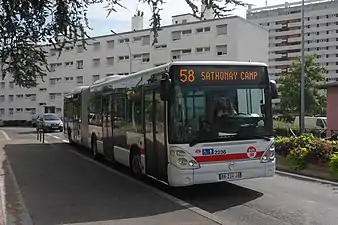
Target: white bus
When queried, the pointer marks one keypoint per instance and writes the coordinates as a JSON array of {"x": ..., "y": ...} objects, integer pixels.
[{"x": 182, "y": 123}]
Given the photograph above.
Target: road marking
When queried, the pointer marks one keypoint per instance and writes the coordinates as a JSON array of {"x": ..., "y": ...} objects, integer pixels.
[
  {"x": 5, "y": 134},
  {"x": 178, "y": 201}
]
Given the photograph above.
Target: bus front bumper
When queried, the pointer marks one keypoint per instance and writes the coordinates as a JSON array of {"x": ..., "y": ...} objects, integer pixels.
[{"x": 210, "y": 173}]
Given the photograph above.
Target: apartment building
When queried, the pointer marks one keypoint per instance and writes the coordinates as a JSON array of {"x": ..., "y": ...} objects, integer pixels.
[
  {"x": 284, "y": 24},
  {"x": 231, "y": 38}
]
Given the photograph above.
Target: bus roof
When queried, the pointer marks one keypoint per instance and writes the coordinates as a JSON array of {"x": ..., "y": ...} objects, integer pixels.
[
  {"x": 76, "y": 90},
  {"x": 133, "y": 79}
]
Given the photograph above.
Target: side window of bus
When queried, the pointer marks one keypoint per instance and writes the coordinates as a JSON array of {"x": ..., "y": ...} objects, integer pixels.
[
  {"x": 120, "y": 117},
  {"x": 148, "y": 111},
  {"x": 95, "y": 109},
  {"x": 160, "y": 116},
  {"x": 135, "y": 110}
]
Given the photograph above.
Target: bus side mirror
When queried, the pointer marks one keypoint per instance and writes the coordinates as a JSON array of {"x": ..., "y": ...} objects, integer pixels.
[
  {"x": 165, "y": 89},
  {"x": 273, "y": 89}
]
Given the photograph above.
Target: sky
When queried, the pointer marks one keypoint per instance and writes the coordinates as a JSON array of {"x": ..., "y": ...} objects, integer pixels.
[{"x": 120, "y": 21}]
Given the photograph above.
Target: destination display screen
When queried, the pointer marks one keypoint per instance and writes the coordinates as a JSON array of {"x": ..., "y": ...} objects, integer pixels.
[{"x": 219, "y": 75}]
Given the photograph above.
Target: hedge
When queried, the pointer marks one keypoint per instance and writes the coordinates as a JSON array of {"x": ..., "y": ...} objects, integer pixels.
[{"x": 300, "y": 151}]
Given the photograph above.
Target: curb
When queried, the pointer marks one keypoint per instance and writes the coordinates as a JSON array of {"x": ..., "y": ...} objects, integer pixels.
[{"x": 306, "y": 178}]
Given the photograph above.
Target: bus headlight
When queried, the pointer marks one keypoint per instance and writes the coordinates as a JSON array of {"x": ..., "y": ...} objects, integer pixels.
[{"x": 182, "y": 159}]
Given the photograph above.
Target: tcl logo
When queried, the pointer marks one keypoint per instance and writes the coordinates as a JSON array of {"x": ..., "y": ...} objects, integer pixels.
[{"x": 198, "y": 151}]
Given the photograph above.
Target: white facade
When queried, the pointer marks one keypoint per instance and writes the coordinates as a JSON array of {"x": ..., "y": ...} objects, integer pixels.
[
  {"x": 284, "y": 24},
  {"x": 231, "y": 38}
]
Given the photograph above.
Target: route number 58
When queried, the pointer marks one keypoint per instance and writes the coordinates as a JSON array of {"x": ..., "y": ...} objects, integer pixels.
[{"x": 187, "y": 76}]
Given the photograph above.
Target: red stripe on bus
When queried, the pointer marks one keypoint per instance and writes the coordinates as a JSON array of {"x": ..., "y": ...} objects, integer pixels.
[{"x": 229, "y": 157}]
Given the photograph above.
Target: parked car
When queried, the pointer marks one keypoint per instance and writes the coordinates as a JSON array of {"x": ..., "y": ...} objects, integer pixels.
[{"x": 49, "y": 122}]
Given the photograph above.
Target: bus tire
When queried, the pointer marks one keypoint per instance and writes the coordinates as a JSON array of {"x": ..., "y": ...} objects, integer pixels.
[
  {"x": 135, "y": 163},
  {"x": 94, "y": 147}
]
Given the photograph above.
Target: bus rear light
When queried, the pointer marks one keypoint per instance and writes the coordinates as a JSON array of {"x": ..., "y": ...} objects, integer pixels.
[
  {"x": 269, "y": 155},
  {"x": 182, "y": 159}
]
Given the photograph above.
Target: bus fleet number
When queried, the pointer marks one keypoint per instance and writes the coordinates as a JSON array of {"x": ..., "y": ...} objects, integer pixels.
[{"x": 187, "y": 76}]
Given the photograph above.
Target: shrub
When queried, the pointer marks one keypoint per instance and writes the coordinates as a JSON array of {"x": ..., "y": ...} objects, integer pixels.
[
  {"x": 319, "y": 150},
  {"x": 297, "y": 158},
  {"x": 333, "y": 165}
]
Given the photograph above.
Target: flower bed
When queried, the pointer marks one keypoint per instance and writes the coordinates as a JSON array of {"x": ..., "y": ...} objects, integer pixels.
[{"x": 308, "y": 155}]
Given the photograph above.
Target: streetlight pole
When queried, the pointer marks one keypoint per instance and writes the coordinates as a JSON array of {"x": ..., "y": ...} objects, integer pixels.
[
  {"x": 129, "y": 49},
  {"x": 302, "y": 76}
]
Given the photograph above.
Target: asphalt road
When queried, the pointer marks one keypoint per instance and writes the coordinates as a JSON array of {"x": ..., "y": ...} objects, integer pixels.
[{"x": 60, "y": 186}]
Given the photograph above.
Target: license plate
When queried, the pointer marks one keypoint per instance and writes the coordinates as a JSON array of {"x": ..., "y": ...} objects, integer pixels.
[{"x": 230, "y": 176}]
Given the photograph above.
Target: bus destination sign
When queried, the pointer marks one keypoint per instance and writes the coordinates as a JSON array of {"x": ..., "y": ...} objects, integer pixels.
[{"x": 220, "y": 75}]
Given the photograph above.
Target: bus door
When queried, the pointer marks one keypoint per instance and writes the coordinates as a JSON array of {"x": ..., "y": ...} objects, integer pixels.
[{"x": 155, "y": 148}]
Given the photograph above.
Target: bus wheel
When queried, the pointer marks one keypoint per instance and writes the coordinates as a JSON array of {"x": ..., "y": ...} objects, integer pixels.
[
  {"x": 94, "y": 149},
  {"x": 135, "y": 164}
]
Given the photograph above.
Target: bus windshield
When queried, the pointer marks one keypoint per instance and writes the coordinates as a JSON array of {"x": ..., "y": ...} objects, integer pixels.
[{"x": 213, "y": 113}]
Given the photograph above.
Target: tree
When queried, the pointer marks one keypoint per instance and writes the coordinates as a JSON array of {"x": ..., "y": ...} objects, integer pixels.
[
  {"x": 289, "y": 87},
  {"x": 25, "y": 24}
]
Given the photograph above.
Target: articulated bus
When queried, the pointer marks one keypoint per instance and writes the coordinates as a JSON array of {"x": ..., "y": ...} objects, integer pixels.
[{"x": 182, "y": 123}]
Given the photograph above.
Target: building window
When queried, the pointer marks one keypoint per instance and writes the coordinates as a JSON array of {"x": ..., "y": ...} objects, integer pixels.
[
  {"x": 202, "y": 49},
  {"x": 11, "y": 84},
  {"x": 124, "y": 57},
  {"x": 222, "y": 50},
  {"x": 110, "y": 44},
  {"x": 67, "y": 79},
  {"x": 146, "y": 57},
  {"x": 80, "y": 48},
  {"x": 222, "y": 29},
  {"x": 136, "y": 39},
  {"x": 160, "y": 46},
  {"x": 10, "y": 111},
  {"x": 124, "y": 40},
  {"x": 2, "y": 85},
  {"x": 11, "y": 98},
  {"x": 186, "y": 51},
  {"x": 202, "y": 30},
  {"x": 186, "y": 32},
  {"x": 79, "y": 79},
  {"x": 176, "y": 35},
  {"x": 146, "y": 40},
  {"x": 51, "y": 96},
  {"x": 2, "y": 98},
  {"x": 2, "y": 112},
  {"x": 96, "y": 62},
  {"x": 96, "y": 46},
  {"x": 19, "y": 97},
  {"x": 176, "y": 54},
  {"x": 69, "y": 64},
  {"x": 110, "y": 61},
  {"x": 79, "y": 64}
]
